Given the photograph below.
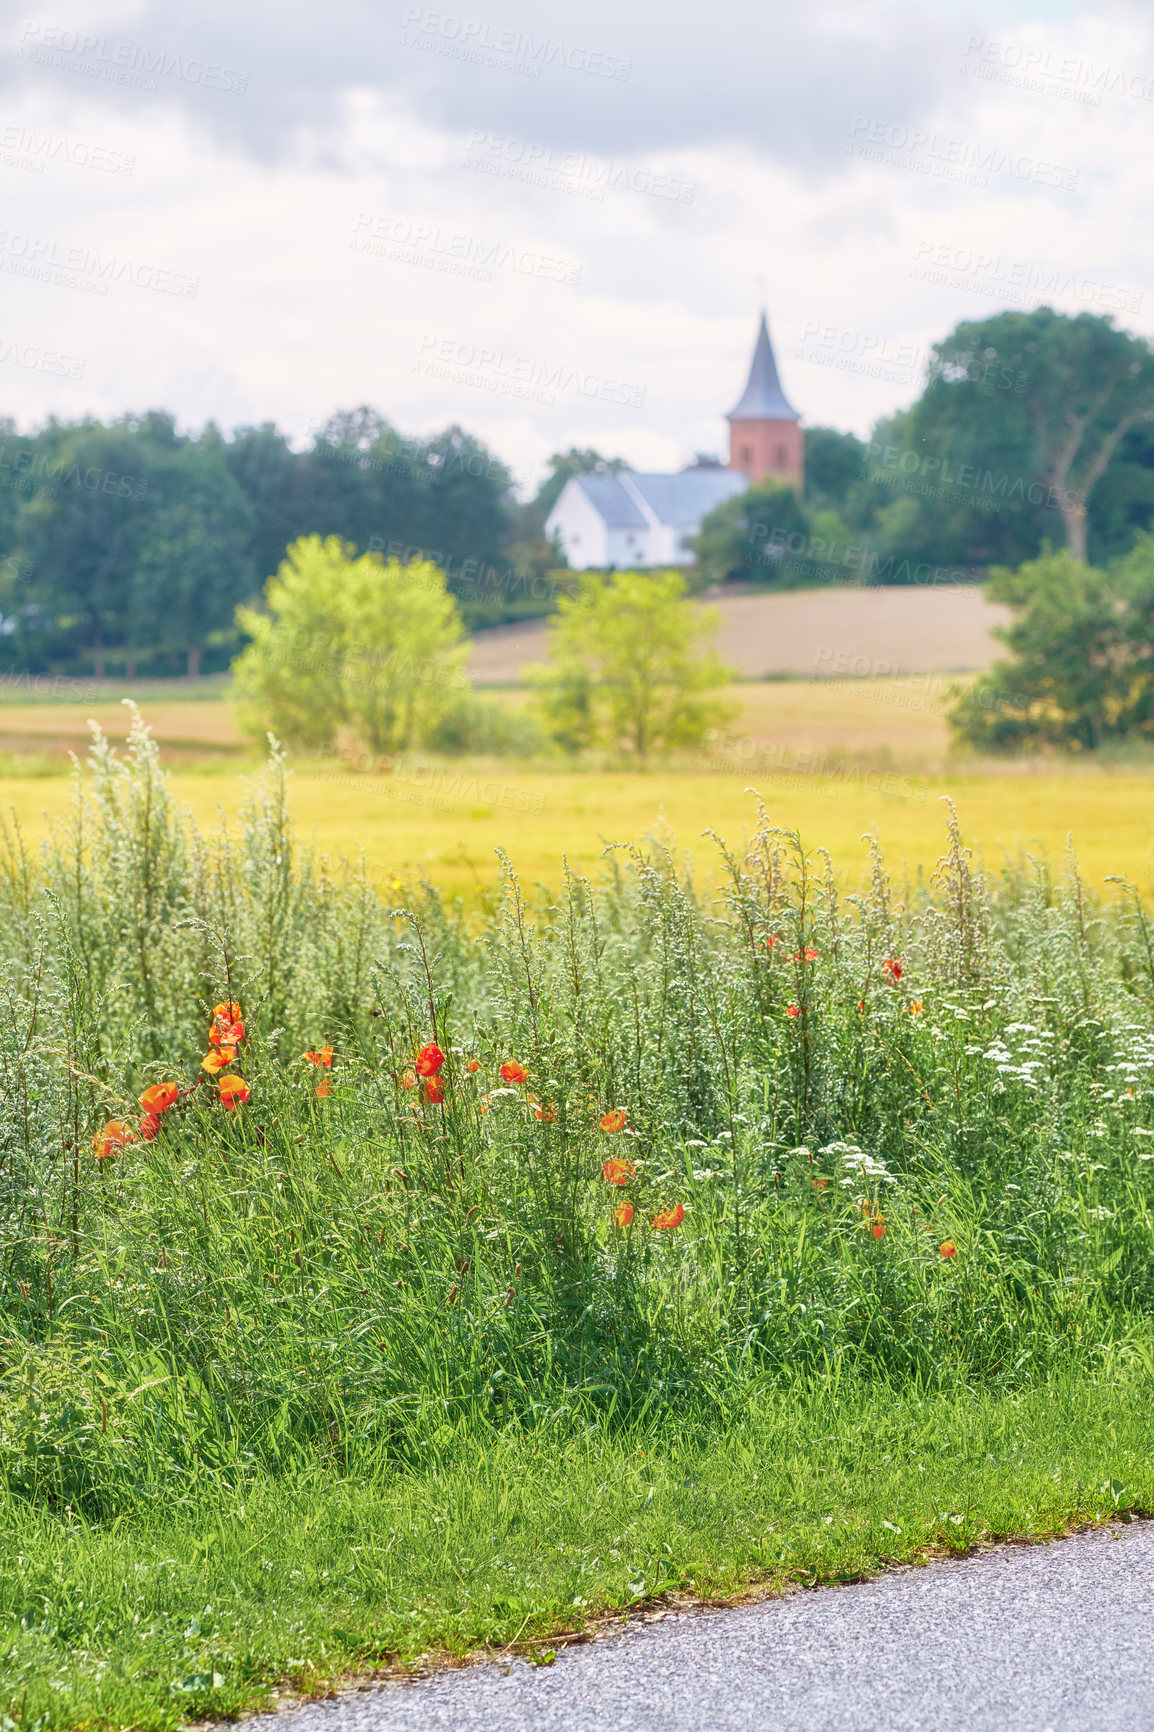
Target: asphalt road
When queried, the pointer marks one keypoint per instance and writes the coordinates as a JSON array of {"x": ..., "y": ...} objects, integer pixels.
[{"x": 1054, "y": 1638}]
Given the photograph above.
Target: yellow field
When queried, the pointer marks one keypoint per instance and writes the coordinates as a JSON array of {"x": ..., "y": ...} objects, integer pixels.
[{"x": 833, "y": 762}]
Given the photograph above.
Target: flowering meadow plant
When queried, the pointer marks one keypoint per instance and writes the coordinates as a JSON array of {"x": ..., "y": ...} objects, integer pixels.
[{"x": 325, "y": 1177}]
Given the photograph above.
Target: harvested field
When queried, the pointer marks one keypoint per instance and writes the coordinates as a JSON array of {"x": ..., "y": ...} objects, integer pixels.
[{"x": 847, "y": 632}]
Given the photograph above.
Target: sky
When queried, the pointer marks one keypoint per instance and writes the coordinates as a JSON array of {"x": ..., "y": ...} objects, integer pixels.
[{"x": 553, "y": 225}]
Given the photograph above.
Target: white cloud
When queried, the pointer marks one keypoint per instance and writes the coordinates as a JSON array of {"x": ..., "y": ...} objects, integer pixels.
[{"x": 349, "y": 215}]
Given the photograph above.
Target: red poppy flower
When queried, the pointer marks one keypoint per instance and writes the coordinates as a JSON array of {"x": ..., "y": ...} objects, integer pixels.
[
  {"x": 614, "y": 1121},
  {"x": 668, "y": 1218},
  {"x": 229, "y": 1009},
  {"x": 916, "y": 1007},
  {"x": 108, "y": 1142},
  {"x": 234, "y": 1091},
  {"x": 159, "y": 1097},
  {"x": 819, "y": 1184},
  {"x": 878, "y": 1227},
  {"x": 949, "y": 1249},
  {"x": 513, "y": 1072},
  {"x": 324, "y": 1088},
  {"x": 772, "y": 940},
  {"x": 792, "y": 1010},
  {"x": 861, "y": 1003},
  {"x": 473, "y": 1064},
  {"x": 623, "y": 1216},
  {"x": 893, "y": 968},
  {"x": 808, "y": 955},
  {"x": 547, "y": 1114},
  {"x": 219, "y": 1060},
  {"x": 408, "y": 1080},
  {"x": 618, "y": 1172},
  {"x": 149, "y": 1125},
  {"x": 324, "y": 1055},
  {"x": 225, "y": 1033},
  {"x": 434, "y": 1090},
  {"x": 430, "y": 1059}
]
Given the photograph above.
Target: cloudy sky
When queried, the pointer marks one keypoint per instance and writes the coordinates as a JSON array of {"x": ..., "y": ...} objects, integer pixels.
[{"x": 553, "y": 224}]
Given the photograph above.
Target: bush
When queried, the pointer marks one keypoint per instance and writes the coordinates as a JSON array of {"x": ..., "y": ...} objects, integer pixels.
[
  {"x": 359, "y": 645},
  {"x": 1083, "y": 643}
]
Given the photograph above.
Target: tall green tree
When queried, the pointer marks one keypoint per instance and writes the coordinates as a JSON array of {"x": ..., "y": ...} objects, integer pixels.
[
  {"x": 632, "y": 666},
  {"x": 1020, "y": 418}
]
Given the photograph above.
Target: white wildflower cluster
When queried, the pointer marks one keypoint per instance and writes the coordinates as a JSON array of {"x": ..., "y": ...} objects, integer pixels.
[
  {"x": 1033, "y": 1055},
  {"x": 857, "y": 1164}
]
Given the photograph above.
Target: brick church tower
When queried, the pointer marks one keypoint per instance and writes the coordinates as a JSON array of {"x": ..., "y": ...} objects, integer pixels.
[{"x": 764, "y": 431}]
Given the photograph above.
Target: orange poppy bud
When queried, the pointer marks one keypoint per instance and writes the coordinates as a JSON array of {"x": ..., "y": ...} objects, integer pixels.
[
  {"x": 159, "y": 1097},
  {"x": 324, "y": 1055},
  {"x": 614, "y": 1121},
  {"x": 149, "y": 1125},
  {"x": 430, "y": 1059},
  {"x": 234, "y": 1091},
  {"x": 512, "y": 1072},
  {"x": 618, "y": 1172},
  {"x": 668, "y": 1218},
  {"x": 324, "y": 1088},
  {"x": 214, "y": 1062},
  {"x": 108, "y": 1142},
  {"x": 434, "y": 1090},
  {"x": 949, "y": 1249},
  {"x": 623, "y": 1215}
]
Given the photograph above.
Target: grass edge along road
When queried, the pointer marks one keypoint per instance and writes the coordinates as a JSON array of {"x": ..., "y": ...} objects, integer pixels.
[{"x": 151, "y": 1620}]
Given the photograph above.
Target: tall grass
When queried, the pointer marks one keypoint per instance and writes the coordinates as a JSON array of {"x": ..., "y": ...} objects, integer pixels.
[{"x": 912, "y": 1135}]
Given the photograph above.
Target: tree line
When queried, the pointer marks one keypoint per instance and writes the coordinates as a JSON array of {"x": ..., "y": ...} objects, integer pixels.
[{"x": 127, "y": 547}]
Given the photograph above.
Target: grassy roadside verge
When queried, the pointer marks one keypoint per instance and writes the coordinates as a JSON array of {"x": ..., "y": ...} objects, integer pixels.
[{"x": 152, "y": 1619}]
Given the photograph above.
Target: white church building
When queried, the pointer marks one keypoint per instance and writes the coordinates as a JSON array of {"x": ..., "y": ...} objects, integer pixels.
[{"x": 630, "y": 520}]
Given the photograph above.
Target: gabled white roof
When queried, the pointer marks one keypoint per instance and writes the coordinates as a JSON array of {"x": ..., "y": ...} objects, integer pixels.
[{"x": 631, "y": 500}]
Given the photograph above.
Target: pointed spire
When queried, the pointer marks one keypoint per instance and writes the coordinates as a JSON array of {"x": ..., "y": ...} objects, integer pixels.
[{"x": 764, "y": 399}]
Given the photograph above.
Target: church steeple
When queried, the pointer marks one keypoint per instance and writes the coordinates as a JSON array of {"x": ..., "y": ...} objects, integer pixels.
[
  {"x": 764, "y": 432},
  {"x": 764, "y": 399}
]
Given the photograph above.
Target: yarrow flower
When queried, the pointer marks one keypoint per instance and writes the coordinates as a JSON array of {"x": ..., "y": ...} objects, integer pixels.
[
  {"x": 430, "y": 1059},
  {"x": 513, "y": 1072},
  {"x": 618, "y": 1172},
  {"x": 108, "y": 1142},
  {"x": 613, "y": 1121},
  {"x": 668, "y": 1218}
]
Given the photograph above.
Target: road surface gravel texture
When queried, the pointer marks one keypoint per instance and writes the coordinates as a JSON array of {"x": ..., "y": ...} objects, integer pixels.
[{"x": 1043, "y": 1638}]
